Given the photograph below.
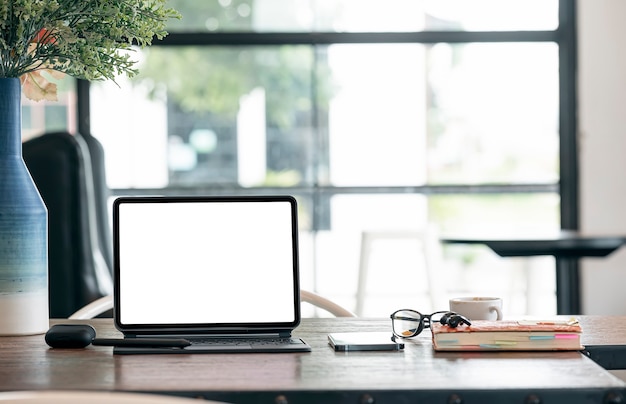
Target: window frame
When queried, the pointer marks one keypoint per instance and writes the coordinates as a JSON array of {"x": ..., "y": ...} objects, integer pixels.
[{"x": 566, "y": 187}]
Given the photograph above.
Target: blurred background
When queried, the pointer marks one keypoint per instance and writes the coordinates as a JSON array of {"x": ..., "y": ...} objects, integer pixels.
[{"x": 394, "y": 123}]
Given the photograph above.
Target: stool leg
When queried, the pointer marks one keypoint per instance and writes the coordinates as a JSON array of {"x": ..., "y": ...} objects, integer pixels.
[{"x": 363, "y": 269}]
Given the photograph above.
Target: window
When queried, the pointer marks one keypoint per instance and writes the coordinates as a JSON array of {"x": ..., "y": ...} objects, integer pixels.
[{"x": 382, "y": 118}]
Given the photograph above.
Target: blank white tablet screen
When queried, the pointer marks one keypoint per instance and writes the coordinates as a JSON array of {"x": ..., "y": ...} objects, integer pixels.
[{"x": 206, "y": 262}]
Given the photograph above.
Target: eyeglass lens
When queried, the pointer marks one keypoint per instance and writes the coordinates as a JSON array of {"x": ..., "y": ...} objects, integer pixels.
[
  {"x": 406, "y": 323},
  {"x": 409, "y": 323}
]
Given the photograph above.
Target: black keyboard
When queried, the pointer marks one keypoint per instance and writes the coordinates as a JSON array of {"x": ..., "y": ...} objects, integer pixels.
[
  {"x": 246, "y": 344},
  {"x": 226, "y": 345},
  {"x": 244, "y": 341}
]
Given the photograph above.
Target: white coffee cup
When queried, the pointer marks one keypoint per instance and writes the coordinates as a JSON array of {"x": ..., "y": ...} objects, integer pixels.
[{"x": 477, "y": 308}]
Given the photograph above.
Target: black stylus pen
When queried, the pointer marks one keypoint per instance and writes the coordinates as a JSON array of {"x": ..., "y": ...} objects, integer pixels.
[{"x": 143, "y": 342}]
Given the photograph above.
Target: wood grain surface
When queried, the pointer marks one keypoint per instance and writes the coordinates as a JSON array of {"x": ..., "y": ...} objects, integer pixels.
[{"x": 27, "y": 363}]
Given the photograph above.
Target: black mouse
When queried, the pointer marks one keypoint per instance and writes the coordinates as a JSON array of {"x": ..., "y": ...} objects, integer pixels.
[{"x": 70, "y": 335}]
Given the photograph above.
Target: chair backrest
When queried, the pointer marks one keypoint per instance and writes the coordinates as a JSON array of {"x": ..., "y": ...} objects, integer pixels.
[
  {"x": 104, "y": 304},
  {"x": 101, "y": 194},
  {"x": 60, "y": 165},
  {"x": 324, "y": 303}
]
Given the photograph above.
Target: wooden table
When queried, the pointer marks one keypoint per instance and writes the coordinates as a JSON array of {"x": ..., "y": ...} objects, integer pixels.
[
  {"x": 418, "y": 373},
  {"x": 567, "y": 247}
]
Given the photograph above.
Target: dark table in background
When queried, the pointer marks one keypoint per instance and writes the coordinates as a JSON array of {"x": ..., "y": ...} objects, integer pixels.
[{"x": 567, "y": 247}]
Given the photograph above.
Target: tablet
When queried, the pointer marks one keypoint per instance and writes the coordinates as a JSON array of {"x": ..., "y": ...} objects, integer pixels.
[{"x": 364, "y": 341}]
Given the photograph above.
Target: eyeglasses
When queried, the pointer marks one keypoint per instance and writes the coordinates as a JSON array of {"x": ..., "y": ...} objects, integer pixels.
[{"x": 408, "y": 323}]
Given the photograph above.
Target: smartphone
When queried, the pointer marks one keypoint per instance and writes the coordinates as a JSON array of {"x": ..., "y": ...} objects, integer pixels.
[{"x": 364, "y": 341}]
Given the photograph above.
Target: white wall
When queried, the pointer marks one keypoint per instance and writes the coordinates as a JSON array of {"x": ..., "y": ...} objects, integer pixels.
[{"x": 602, "y": 140}]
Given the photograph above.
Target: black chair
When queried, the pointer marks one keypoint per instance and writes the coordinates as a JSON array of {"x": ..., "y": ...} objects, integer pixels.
[
  {"x": 101, "y": 193},
  {"x": 78, "y": 231}
]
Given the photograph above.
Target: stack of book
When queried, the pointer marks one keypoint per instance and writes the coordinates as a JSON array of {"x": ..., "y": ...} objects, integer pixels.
[{"x": 523, "y": 335}]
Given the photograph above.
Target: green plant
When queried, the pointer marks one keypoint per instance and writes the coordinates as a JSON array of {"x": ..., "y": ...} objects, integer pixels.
[{"x": 87, "y": 39}]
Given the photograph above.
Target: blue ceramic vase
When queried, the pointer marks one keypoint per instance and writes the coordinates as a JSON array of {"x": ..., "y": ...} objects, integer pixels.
[{"x": 23, "y": 228}]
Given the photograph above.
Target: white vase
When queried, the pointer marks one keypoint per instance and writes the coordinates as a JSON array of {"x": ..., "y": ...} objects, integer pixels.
[{"x": 23, "y": 228}]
